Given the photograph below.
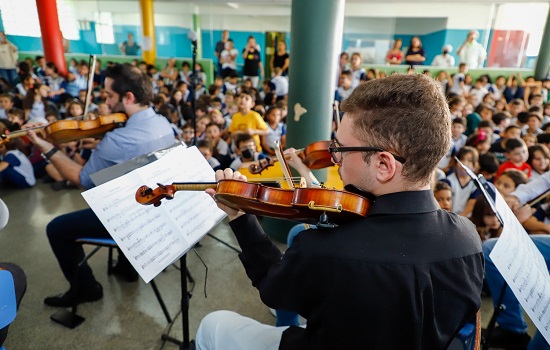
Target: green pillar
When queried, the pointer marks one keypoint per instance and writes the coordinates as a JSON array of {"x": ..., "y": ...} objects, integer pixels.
[
  {"x": 315, "y": 43},
  {"x": 197, "y": 29},
  {"x": 543, "y": 60}
]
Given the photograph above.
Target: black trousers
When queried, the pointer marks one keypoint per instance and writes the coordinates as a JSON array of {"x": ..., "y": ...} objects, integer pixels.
[
  {"x": 63, "y": 231},
  {"x": 20, "y": 281}
]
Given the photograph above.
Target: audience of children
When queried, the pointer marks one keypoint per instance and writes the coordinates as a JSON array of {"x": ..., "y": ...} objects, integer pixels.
[{"x": 233, "y": 123}]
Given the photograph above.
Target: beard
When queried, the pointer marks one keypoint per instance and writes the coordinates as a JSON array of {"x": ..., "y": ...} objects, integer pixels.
[{"x": 118, "y": 108}]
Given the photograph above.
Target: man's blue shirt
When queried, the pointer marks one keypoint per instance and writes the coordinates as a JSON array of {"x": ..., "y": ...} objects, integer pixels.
[{"x": 144, "y": 132}]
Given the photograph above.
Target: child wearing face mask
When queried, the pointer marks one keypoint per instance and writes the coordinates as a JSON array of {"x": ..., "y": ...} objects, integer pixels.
[{"x": 245, "y": 149}]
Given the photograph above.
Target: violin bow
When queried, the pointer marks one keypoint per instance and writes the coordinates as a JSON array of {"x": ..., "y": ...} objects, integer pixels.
[
  {"x": 93, "y": 59},
  {"x": 538, "y": 198},
  {"x": 282, "y": 161},
  {"x": 337, "y": 110}
]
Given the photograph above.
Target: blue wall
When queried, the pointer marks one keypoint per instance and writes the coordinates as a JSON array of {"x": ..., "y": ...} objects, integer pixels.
[
  {"x": 173, "y": 42},
  {"x": 210, "y": 38}
]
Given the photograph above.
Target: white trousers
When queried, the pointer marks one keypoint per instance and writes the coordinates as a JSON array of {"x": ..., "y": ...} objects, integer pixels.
[
  {"x": 255, "y": 80},
  {"x": 229, "y": 330}
]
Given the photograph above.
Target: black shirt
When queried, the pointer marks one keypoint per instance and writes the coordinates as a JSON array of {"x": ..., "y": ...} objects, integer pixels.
[
  {"x": 279, "y": 61},
  {"x": 251, "y": 63},
  {"x": 408, "y": 276},
  {"x": 420, "y": 51},
  {"x": 220, "y": 46},
  {"x": 498, "y": 151}
]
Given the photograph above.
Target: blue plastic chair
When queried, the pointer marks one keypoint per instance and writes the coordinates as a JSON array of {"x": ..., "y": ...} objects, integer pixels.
[
  {"x": 8, "y": 304},
  {"x": 111, "y": 244}
]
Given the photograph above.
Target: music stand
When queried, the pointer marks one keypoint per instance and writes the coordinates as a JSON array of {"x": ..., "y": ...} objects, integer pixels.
[{"x": 186, "y": 343}]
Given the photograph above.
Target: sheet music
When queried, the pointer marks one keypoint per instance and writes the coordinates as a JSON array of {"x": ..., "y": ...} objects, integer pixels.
[
  {"x": 519, "y": 261},
  {"x": 523, "y": 267},
  {"x": 153, "y": 237}
]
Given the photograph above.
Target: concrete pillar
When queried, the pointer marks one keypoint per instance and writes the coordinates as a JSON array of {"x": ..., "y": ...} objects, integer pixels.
[
  {"x": 316, "y": 41},
  {"x": 543, "y": 60}
]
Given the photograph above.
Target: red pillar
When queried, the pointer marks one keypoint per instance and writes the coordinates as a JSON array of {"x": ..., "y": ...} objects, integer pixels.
[{"x": 52, "y": 40}]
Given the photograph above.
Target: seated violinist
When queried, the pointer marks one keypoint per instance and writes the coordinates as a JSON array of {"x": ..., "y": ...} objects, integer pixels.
[
  {"x": 391, "y": 275},
  {"x": 129, "y": 91}
]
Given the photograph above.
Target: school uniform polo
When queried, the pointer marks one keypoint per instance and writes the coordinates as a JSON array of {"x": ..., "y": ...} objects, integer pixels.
[
  {"x": 408, "y": 276},
  {"x": 19, "y": 173}
]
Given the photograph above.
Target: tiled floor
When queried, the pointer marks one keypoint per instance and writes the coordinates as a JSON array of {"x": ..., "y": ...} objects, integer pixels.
[{"x": 128, "y": 317}]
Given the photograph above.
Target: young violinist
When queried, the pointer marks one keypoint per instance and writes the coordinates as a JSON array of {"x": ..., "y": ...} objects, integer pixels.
[
  {"x": 382, "y": 282},
  {"x": 128, "y": 90}
]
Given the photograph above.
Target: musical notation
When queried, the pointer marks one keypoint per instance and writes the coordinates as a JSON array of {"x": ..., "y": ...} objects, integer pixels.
[
  {"x": 523, "y": 267},
  {"x": 152, "y": 238}
]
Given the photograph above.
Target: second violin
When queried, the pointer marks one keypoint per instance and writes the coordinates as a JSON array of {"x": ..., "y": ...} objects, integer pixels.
[{"x": 314, "y": 156}]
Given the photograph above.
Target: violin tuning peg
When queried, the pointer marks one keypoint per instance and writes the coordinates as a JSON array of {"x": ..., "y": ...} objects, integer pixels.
[
  {"x": 161, "y": 186},
  {"x": 157, "y": 204}
]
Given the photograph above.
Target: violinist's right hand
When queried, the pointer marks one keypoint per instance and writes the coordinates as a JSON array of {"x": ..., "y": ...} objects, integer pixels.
[
  {"x": 295, "y": 161},
  {"x": 227, "y": 174}
]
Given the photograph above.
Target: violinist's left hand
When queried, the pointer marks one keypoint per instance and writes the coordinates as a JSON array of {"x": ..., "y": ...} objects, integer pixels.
[
  {"x": 227, "y": 174},
  {"x": 88, "y": 143},
  {"x": 43, "y": 145}
]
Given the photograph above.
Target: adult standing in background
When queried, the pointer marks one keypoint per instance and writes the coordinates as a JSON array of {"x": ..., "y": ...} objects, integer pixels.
[
  {"x": 252, "y": 62},
  {"x": 395, "y": 55},
  {"x": 8, "y": 59},
  {"x": 471, "y": 52},
  {"x": 220, "y": 46},
  {"x": 130, "y": 47},
  {"x": 445, "y": 59},
  {"x": 416, "y": 55},
  {"x": 228, "y": 59},
  {"x": 280, "y": 59}
]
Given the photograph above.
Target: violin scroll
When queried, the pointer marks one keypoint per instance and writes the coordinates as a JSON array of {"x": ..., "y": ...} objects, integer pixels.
[
  {"x": 262, "y": 165},
  {"x": 146, "y": 195}
]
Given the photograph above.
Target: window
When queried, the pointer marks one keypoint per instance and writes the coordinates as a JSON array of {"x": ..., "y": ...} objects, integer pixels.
[
  {"x": 67, "y": 19},
  {"x": 104, "y": 27},
  {"x": 20, "y": 18}
]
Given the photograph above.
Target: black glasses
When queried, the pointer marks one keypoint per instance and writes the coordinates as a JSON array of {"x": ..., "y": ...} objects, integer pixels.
[{"x": 336, "y": 152}]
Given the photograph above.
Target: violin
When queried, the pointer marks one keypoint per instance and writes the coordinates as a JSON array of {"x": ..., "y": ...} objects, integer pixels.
[
  {"x": 67, "y": 130},
  {"x": 300, "y": 204},
  {"x": 314, "y": 156}
]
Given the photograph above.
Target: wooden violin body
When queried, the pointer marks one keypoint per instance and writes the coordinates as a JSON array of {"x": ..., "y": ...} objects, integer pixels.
[
  {"x": 70, "y": 130},
  {"x": 300, "y": 204},
  {"x": 314, "y": 156}
]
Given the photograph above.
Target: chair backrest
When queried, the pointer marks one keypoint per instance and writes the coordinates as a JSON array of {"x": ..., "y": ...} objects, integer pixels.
[
  {"x": 8, "y": 306},
  {"x": 469, "y": 337}
]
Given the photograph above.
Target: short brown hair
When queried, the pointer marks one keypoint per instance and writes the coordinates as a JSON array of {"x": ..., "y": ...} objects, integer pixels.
[{"x": 406, "y": 115}]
